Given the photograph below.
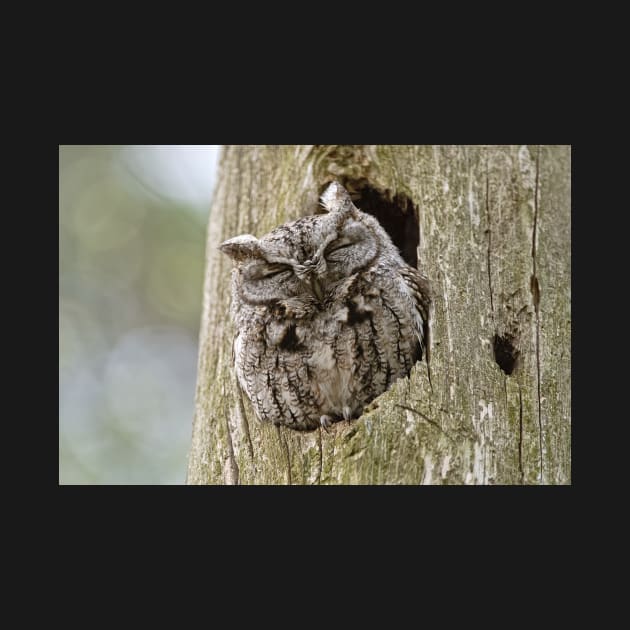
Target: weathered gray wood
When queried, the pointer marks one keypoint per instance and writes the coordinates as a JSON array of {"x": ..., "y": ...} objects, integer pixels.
[{"x": 495, "y": 242}]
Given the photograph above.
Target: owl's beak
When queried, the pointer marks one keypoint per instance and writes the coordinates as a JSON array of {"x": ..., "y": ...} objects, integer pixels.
[{"x": 317, "y": 287}]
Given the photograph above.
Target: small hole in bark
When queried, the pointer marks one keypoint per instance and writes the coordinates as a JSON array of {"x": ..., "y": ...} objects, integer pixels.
[
  {"x": 505, "y": 352},
  {"x": 396, "y": 213}
]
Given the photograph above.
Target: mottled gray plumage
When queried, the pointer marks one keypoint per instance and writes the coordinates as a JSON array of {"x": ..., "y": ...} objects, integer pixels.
[{"x": 327, "y": 315}]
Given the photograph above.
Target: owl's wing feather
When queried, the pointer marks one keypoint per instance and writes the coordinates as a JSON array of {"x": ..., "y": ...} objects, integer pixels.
[{"x": 418, "y": 285}]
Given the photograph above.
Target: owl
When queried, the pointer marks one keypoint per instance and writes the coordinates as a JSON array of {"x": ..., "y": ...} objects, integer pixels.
[{"x": 327, "y": 315}]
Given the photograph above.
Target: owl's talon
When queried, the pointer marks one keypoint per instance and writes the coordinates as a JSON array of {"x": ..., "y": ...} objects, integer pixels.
[{"x": 326, "y": 422}]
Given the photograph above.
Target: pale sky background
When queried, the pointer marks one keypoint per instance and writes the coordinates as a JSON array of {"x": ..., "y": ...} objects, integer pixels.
[
  {"x": 182, "y": 172},
  {"x": 132, "y": 249}
]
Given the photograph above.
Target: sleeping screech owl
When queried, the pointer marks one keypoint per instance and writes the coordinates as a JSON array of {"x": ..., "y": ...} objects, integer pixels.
[{"x": 327, "y": 315}]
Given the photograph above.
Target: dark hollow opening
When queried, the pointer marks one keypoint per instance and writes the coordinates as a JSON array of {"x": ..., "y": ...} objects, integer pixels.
[
  {"x": 396, "y": 213},
  {"x": 505, "y": 353}
]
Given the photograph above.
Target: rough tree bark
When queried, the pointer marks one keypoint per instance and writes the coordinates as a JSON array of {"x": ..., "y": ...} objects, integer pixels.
[{"x": 494, "y": 239}]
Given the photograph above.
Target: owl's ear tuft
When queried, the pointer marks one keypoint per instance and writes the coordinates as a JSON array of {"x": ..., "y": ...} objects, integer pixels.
[
  {"x": 336, "y": 199},
  {"x": 241, "y": 247}
]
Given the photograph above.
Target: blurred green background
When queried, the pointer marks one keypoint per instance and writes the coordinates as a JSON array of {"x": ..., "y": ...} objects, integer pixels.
[{"x": 132, "y": 224}]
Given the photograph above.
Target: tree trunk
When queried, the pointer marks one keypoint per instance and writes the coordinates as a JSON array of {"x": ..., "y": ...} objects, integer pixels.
[{"x": 493, "y": 234}]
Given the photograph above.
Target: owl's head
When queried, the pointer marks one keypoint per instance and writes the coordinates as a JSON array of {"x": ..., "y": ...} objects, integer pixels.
[{"x": 309, "y": 257}]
